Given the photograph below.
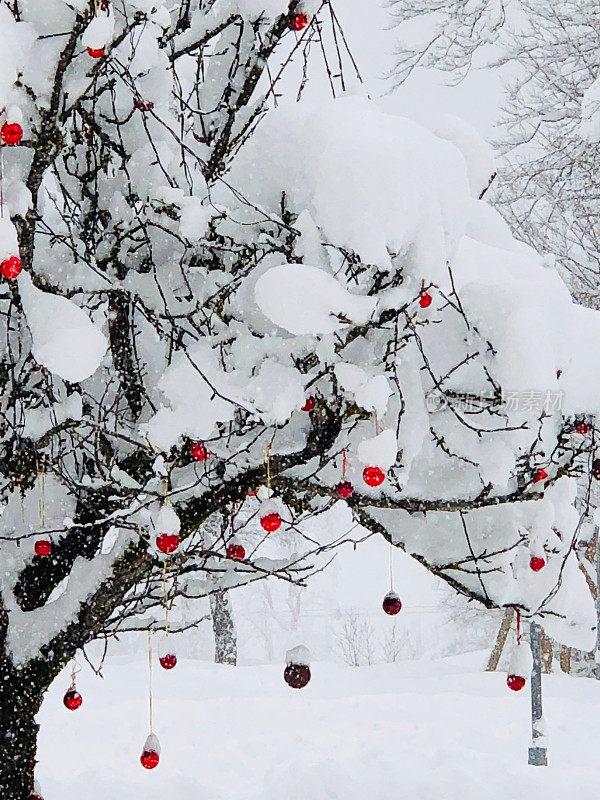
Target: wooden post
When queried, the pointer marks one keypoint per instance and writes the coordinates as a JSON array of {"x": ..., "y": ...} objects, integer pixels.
[
  {"x": 500, "y": 640},
  {"x": 538, "y": 756}
]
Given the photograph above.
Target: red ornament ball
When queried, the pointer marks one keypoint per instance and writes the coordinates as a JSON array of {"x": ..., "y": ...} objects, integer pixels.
[
  {"x": 344, "y": 490},
  {"x": 373, "y": 476},
  {"x": 515, "y": 682},
  {"x": 297, "y": 675},
  {"x": 43, "y": 547},
  {"x": 425, "y": 299},
  {"x": 309, "y": 404},
  {"x": 298, "y": 22},
  {"x": 539, "y": 475},
  {"x": 582, "y": 427},
  {"x": 168, "y": 661},
  {"x": 536, "y": 563},
  {"x": 235, "y": 551},
  {"x": 11, "y": 133},
  {"x": 11, "y": 267},
  {"x": 95, "y": 52},
  {"x": 35, "y": 797},
  {"x": 149, "y": 759},
  {"x": 72, "y": 700},
  {"x": 596, "y": 468},
  {"x": 167, "y": 542},
  {"x": 271, "y": 522},
  {"x": 391, "y": 604},
  {"x": 199, "y": 452}
]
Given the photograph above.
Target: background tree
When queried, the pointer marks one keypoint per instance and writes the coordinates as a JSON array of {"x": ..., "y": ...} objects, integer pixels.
[{"x": 230, "y": 311}]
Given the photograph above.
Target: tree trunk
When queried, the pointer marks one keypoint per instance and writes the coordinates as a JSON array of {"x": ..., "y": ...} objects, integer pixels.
[
  {"x": 500, "y": 640},
  {"x": 223, "y": 629},
  {"x": 20, "y": 700}
]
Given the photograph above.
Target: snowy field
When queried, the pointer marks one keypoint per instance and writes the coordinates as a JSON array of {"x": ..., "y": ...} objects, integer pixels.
[{"x": 439, "y": 730}]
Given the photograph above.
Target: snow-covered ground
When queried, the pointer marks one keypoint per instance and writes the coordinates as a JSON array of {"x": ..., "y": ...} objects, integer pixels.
[{"x": 416, "y": 730}]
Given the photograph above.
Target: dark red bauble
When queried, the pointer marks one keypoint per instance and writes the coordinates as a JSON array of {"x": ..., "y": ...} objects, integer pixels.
[
  {"x": 11, "y": 133},
  {"x": 309, "y": 404},
  {"x": 596, "y": 468},
  {"x": 43, "y": 547},
  {"x": 373, "y": 476},
  {"x": 344, "y": 490},
  {"x": 536, "y": 563},
  {"x": 11, "y": 267},
  {"x": 297, "y": 675},
  {"x": 539, "y": 475},
  {"x": 425, "y": 299},
  {"x": 298, "y": 22},
  {"x": 35, "y": 797},
  {"x": 391, "y": 604},
  {"x": 271, "y": 522},
  {"x": 168, "y": 661},
  {"x": 515, "y": 682},
  {"x": 149, "y": 759},
  {"x": 167, "y": 542},
  {"x": 199, "y": 452},
  {"x": 95, "y": 52},
  {"x": 72, "y": 700},
  {"x": 235, "y": 551},
  {"x": 582, "y": 427},
  {"x": 141, "y": 105}
]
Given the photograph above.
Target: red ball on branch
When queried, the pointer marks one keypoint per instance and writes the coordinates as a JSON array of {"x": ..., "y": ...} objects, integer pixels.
[
  {"x": 271, "y": 522},
  {"x": 536, "y": 563},
  {"x": 373, "y": 476},
  {"x": 149, "y": 759},
  {"x": 43, "y": 547},
  {"x": 35, "y": 797},
  {"x": 582, "y": 427},
  {"x": 199, "y": 452},
  {"x": 515, "y": 682},
  {"x": 298, "y": 22},
  {"x": 539, "y": 475},
  {"x": 11, "y": 133},
  {"x": 11, "y": 267},
  {"x": 95, "y": 52},
  {"x": 297, "y": 675},
  {"x": 167, "y": 542},
  {"x": 168, "y": 661},
  {"x": 235, "y": 551},
  {"x": 391, "y": 604},
  {"x": 425, "y": 299},
  {"x": 72, "y": 700},
  {"x": 309, "y": 404},
  {"x": 344, "y": 490}
]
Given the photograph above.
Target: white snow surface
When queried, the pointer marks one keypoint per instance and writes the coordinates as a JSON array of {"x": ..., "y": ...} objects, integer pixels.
[{"x": 65, "y": 340}]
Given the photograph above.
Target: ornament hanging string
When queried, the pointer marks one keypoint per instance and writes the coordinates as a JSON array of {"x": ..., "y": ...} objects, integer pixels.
[
  {"x": 391, "y": 567},
  {"x": 268, "y": 460},
  {"x": 518, "y": 628},
  {"x": 344, "y": 462},
  {"x": 376, "y": 425},
  {"x": 75, "y": 668},
  {"x": 150, "y": 679},
  {"x": 165, "y": 598}
]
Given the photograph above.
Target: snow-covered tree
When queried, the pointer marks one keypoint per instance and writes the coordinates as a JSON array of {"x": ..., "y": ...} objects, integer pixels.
[{"x": 234, "y": 312}]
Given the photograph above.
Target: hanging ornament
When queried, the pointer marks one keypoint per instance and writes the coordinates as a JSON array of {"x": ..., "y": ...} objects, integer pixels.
[
  {"x": 344, "y": 489},
  {"x": 539, "y": 475},
  {"x": 425, "y": 299},
  {"x": 297, "y": 670},
  {"x": 309, "y": 404},
  {"x": 596, "y": 468},
  {"x": 536, "y": 553},
  {"x": 151, "y": 752},
  {"x": 37, "y": 792},
  {"x": 42, "y": 547},
  {"x": 235, "y": 551},
  {"x": 11, "y": 133},
  {"x": 582, "y": 427},
  {"x": 72, "y": 699},
  {"x": 270, "y": 518},
  {"x": 373, "y": 476},
  {"x": 520, "y": 664},
  {"x": 167, "y": 657},
  {"x": 167, "y": 522},
  {"x": 298, "y": 22},
  {"x": 11, "y": 267},
  {"x": 95, "y": 52},
  {"x": 99, "y": 33},
  {"x": 199, "y": 452},
  {"x": 391, "y": 604}
]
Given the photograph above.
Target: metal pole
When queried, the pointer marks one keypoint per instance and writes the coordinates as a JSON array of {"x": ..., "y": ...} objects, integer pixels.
[{"x": 537, "y": 752}]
